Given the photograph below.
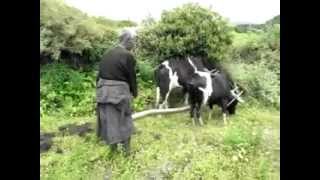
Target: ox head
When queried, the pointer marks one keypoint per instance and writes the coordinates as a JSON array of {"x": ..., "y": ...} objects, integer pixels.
[{"x": 235, "y": 91}]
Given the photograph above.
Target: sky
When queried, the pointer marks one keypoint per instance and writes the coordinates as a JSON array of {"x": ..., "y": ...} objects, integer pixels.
[{"x": 236, "y": 11}]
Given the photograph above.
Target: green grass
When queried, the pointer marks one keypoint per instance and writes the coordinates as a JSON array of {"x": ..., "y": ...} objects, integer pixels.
[{"x": 169, "y": 147}]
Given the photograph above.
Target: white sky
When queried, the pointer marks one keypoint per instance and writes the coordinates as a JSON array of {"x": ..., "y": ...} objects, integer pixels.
[{"x": 237, "y": 11}]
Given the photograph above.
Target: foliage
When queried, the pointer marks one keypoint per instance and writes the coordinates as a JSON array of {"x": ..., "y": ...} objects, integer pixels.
[
  {"x": 73, "y": 92},
  {"x": 64, "y": 28},
  {"x": 259, "y": 82},
  {"x": 254, "y": 62},
  {"x": 62, "y": 88},
  {"x": 252, "y": 46},
  {"x": 245, "y": 28},
  {"x": 186, "y": 30}
]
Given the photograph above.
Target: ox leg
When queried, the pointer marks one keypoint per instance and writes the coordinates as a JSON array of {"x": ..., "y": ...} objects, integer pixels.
[
  {"x": 199, "y": 114},
  {"x": 165, "y": 102},
  {"x": 224, "y": 111},
  {"x": 210, "y": 111},
  {"x": 193, "y": 121},
  {"x": 200, "y": 120},
  {"x": 193, "y": 109},
  {"x": 210, "y": 114},
  {"x": 193, "y": 116},
  {"x": 224, "y": 118},
  {"x": 186, "y": 99}
]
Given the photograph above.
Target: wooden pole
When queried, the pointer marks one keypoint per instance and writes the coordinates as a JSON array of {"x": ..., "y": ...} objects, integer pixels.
[{"x": 142, "y": 114}]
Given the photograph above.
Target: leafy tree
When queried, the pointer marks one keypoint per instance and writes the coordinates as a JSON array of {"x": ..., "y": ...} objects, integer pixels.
[{"x": 186, "y": 30}]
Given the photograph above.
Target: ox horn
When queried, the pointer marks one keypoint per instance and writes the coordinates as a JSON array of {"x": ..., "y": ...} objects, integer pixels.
[{"x": 213, "y": 71}]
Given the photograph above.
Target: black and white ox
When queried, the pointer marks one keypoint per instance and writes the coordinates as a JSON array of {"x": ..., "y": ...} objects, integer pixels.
[{"x": 201, "y": 83}]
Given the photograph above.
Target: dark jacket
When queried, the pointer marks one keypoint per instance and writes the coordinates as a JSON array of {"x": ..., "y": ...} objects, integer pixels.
[{"x": 119, "y": 64}]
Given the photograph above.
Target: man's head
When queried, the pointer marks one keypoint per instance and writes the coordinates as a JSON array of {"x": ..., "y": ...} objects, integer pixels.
[{"x": 127, "y": 39}]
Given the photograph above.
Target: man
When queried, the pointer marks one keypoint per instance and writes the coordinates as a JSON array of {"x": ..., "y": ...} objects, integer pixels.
[{"x": 116, "y": 86}]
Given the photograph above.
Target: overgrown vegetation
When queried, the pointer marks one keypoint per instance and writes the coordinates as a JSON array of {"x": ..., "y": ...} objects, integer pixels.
[
  {"x": 246, "y": 149},
  {"x": 255, "y": 63}
]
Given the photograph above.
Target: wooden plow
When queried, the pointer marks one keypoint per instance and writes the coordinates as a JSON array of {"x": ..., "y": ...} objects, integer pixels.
[{"x": 149, "y": 112}]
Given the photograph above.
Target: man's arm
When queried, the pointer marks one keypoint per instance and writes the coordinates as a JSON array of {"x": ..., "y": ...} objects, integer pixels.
[{"x": 131, "y": 64}]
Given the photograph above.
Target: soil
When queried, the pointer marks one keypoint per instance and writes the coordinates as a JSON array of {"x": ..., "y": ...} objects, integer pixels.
[
  {"x": 45, "y": 141},
  {"x": 73, "y": 129}
]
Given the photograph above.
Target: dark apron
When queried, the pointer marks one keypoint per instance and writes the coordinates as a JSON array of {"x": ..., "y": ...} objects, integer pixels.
[{"x": 114, "y": 121}]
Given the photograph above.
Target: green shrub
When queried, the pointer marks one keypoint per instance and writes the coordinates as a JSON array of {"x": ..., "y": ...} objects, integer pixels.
[
  {"x": 254, "y": 62},
  {"x": 72, "y": 92},
  {"x": 145, "y": 71},
  {"x": 146, "y": 95},
  {"x": 258, "y": 81},
  {"x": 64, "y": 88},
  {"x": 186, "y": 30}
]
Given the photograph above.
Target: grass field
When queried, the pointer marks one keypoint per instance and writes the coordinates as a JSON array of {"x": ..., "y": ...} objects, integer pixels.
[{"x": 170, "y": 147}]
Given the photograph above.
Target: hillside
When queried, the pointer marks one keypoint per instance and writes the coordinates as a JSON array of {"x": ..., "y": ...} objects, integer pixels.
[{"x": 247, "y": 27}]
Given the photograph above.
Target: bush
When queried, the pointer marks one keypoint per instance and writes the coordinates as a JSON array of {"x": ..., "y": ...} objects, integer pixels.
[
  {"x": 146, "y": 93},
  {"x": 62, "y": 88},
  {"x": 72, "y": 92},
  {"x": 254, "y": 63},
  {"x": 258, "y": 81},
  {"x": 187, "y": 30}
]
